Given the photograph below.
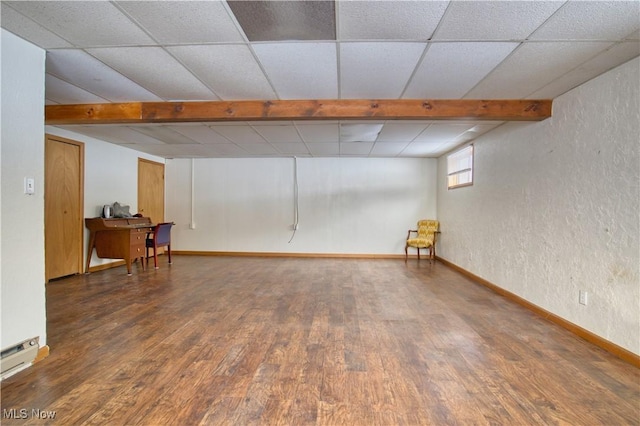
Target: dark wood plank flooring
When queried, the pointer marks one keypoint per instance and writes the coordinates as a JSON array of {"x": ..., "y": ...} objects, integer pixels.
[{"x": 288, "y": 341}]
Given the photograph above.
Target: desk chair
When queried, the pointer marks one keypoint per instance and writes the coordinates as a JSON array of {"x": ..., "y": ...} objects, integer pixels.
[{"x": 161, "y": 237}]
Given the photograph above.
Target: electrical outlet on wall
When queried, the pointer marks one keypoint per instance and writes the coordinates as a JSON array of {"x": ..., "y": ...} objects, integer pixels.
[{"x": 583, "y": 297}]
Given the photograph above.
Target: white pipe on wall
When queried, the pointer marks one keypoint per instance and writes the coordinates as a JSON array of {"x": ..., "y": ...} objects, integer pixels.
[{"x": 192, "y": 223}]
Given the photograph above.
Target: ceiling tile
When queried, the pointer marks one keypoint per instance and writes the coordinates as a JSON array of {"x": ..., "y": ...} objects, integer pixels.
[
  {"x": 230, "y": 150},
  {"x": 278, "y": 134},
  {"x": 29, "y": 30},
  {"x": 450, "y": 70},
  {"x": 617, "y": 54},
  {"x": 421, "y": 149},
  {"x": 387, "y": 149},
  {"x": 300, "y": 70},
  {"x": 115, "y": 134},
  {"x": 191, "y": 21},
  {"x": 388, "y": 20},
  {"x": 442, "y": 132},
  {"x": 362, "y": 132},
  {"x": 165, "y": 134},
  {"x": 533, "y": 66},
  {"x": 84, "y": 23},
  {"x": 446, "y": 147},
  {"x": 355, "y": 148},
  {"x": 259, "y": 149},
  {"x": 199, "y": 133},
  {"x": 286, "y": 20},
  {"x": 155, "y": 69},
  {"x": 405, "y": 132},
  {"x": 291, "y": 148},
  {"x": 179, "y": 151},
  {"x": 591, "y": 20},
  {"x": 314, "y": 133},
  {"x": 376, "y": 70},
  {"x": 494, "y": 20},
  {"x": 240, "y": 134},
  {"x": 61, "y": 92},
  {"x": 324, "y": 149},
  {"x": 218, "y": 65},
  {"x": 90, "y": 74}
]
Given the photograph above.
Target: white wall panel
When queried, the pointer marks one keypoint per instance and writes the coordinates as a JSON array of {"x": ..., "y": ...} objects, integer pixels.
[
  {"x": 347, "y": 205},
  {"x": 554, "y": 208},
  {"x": 22, "y": 289}
]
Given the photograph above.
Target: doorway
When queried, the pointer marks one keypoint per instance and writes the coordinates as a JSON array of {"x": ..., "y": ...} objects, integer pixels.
[{"x": 63, "y": 206}]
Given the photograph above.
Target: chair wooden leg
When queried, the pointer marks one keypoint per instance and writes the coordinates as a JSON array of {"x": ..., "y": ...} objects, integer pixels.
[
  {"x": 169, "y": 253},
  {"x": 406, "y": 252},
  {"x": 155, "y": 256}
]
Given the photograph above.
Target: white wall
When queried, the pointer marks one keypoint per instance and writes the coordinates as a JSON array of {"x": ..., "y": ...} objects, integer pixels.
[
  {"x": 554, "y": 208},
  {"x": 110, "y": 175},
  {"x": 346, "y": 205},
  {"x": 22, "y": 225}
]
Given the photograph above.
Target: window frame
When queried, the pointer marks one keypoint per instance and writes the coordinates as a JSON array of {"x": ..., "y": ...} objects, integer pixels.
[{"x": 460, "y": 171}]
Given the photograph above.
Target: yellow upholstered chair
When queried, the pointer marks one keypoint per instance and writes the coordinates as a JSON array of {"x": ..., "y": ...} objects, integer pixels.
[{"x": 425, "y": 238}]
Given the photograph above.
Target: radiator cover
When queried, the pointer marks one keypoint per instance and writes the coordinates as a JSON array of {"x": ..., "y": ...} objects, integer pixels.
[{"x": 18, "y": 356}]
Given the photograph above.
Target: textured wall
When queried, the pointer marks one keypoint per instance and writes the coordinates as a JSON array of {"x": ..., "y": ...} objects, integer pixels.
[
  {"x": 554, "y": 208},
  {"x": 22, "y": 227},
  {"x": 347, "y": 205}
]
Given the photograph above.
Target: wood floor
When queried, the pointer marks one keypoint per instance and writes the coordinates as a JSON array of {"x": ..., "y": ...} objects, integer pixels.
[{"x": 288, "y": 341}]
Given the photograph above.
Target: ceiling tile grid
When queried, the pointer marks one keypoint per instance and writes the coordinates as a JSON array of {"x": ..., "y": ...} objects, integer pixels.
[
  {"x": 192, "y": 22},
  {"x": 80, "y": 69},
  {"x": 124, "y": 51},
  {"x": 155, "y": 69},
  {"x": 217, "y": 66}
]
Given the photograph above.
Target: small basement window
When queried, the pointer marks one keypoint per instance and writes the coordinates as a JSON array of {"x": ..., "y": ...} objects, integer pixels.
[{"x": 460, "y": 168}]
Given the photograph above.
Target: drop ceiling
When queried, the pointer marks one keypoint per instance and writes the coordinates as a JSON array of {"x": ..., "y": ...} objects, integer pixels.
[{"x": 128, "y": 51}]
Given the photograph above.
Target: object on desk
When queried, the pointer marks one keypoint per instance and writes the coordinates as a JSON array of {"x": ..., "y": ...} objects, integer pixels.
[
  {"x": 118, "y": 238},
  {"x": 107, "y": 211},
  {"x": 120, "y": 211},
  {"x": 161, "y": 237}
]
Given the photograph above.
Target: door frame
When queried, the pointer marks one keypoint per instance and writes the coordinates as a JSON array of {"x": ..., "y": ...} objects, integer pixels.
[{"x": 80, "y": 145}]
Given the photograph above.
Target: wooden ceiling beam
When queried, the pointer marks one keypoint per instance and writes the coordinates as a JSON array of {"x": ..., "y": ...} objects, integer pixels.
[{"x": 330, "y": 109}]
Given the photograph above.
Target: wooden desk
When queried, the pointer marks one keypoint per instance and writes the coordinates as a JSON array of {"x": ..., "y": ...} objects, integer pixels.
[{"x": 118, "y": 239}]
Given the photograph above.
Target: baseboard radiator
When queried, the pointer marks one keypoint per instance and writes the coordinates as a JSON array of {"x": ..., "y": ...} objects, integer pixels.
[{"x": 18, "y": 356}]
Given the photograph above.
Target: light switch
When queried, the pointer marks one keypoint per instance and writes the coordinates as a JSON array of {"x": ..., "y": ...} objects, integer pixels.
[{"x": 29, "y": 186}]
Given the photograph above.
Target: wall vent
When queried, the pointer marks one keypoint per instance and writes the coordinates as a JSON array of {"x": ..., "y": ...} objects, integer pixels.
[{"x": 18, "y": 356}]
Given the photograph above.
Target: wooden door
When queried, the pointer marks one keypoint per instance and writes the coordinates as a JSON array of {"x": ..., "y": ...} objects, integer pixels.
[
  {"x": 63, "y": 205},
  {"x": 151, "y": 190}
]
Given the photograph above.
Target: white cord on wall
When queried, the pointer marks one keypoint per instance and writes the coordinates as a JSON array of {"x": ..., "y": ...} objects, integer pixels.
[
  {"x": 192, "y": 224},
  {"x": 295, "y": 198}
]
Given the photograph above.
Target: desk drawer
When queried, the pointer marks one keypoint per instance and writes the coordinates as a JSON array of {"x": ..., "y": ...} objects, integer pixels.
[
  {"x": 137, "y": 250},
  {"x": 138, "y": 237}
]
